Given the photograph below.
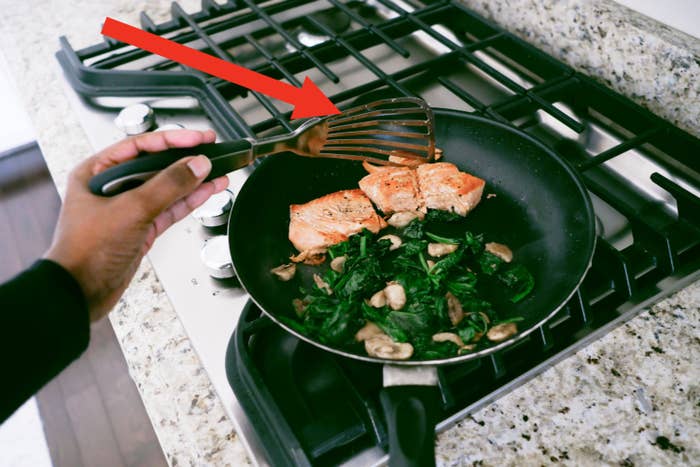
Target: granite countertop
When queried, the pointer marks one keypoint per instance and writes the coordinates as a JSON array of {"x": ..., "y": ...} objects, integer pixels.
[
  {"x": 654, "y": 65},
  {"x": 632, "y": 397}
]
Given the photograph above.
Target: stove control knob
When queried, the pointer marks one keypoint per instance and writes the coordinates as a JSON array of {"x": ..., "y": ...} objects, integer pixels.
[
  {"x": 214, "y": 212},
  {"x": 135, "y": 119},
  {"x": 217, "y": 257}
]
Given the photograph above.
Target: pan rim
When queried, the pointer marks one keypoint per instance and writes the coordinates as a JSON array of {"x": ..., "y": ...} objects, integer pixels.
[{"x": 573, "y": 175}]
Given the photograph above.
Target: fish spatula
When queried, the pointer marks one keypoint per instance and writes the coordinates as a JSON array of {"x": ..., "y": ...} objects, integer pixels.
[{"x": 382, "y": 132}]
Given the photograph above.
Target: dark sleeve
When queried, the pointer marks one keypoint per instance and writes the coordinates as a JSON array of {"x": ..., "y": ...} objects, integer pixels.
[{"x": 44, "y": 325}]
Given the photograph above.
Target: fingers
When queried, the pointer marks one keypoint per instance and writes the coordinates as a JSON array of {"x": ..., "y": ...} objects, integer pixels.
[
  {"x": 198, "y": 197},
  {"x": 81, "y": 174},
  {"x": 181, "y": 208},
  {"x": 169, "y": 185},
  {"x": 149, "y": 142}
]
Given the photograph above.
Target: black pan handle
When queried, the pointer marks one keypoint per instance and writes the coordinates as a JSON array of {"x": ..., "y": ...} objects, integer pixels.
[
  {"x": 225, "y": 157},
  {"x": 410, "y": 414}
]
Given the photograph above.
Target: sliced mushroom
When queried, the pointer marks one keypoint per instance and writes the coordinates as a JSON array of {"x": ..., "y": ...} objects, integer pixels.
[
  {"x": 395, "y": 295},
  {"x": 430, "y": 263},
  {"x": 368, "y": 331},
  {"x": 382, "y": 346},
  {"x": 312, "y": 257},
  {"x": 323, "y": 285},
  {"x": 394, "y": 239},
  {"x": 500, "y": 250},
  {"x": 402, "y": 219},
  {"x": 466, "y": 348},
  {"x": 300, "y": 306},
  {"x": 448, "y": 337},
  {"x": 477, "y": 336},
  {"x": 378, "y": 300},
  {"x": 441, "y": 249},
  {"x": 285, "y": 272},
  {"x": 501, "y": 332},
  {"x": 338, "y": 263},
  {"x": 454, "y": 309}
]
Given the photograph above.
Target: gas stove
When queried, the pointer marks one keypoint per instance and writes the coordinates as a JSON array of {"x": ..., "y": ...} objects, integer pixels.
[{"x": 641, "y": 172}]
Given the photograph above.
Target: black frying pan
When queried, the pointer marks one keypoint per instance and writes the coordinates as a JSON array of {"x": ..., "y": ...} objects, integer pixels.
[{"x": 541, "y": 210}]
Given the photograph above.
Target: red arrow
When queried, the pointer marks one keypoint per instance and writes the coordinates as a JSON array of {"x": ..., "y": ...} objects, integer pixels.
[{"x": 308, "y": 100}]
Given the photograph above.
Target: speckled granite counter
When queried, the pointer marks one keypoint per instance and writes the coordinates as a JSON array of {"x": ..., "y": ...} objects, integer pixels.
[
  {"x": 187, "y": 416},
  {"x": 633, "y": 397},
  {"x": 656, "y": 66}
]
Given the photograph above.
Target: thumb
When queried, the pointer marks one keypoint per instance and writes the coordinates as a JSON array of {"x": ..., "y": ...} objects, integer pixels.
[{"x": 170, "y": 184}]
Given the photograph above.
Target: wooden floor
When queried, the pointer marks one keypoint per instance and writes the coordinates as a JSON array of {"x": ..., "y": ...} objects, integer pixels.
[{"x": 92, "y": 412}]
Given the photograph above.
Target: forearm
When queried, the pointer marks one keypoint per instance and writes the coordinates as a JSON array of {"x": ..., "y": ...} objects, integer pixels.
[
  {"x": 45, "y": 312},
  {"x": 44, "y": 325}
]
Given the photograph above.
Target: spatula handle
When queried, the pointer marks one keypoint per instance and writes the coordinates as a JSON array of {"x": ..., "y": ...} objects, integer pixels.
[{"x": 225, "y": 158}]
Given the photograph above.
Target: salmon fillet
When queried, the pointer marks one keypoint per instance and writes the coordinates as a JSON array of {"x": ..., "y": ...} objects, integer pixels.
[
  {"x": 393, "y": 189},
  {"x": 331, "y": 219},
  {"x": 444, "y": 187}
]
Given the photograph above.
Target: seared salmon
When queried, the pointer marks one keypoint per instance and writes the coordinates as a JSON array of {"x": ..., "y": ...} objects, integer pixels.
[
  {"x": 331, "y": 219},
  {"x": 393, "y": 189},
  {"x": 444, "y": 187}
]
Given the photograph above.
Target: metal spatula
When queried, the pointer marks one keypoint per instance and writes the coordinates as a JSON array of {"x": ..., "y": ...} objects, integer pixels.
[{"x": 381, "y": 132}]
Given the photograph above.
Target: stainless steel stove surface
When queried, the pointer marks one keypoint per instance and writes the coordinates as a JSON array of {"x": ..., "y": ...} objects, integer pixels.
[{"x": 642, "y": 172}]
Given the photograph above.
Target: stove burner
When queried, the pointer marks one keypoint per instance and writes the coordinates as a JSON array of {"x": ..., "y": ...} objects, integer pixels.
[{"x": 312, "y": 34}]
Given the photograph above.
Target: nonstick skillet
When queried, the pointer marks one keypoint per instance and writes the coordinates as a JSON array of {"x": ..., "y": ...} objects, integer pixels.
[{"x": 540, "y": 209}]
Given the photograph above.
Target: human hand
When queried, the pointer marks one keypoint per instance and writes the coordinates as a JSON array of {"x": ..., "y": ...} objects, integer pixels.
[{"x": 101, "y": 241}]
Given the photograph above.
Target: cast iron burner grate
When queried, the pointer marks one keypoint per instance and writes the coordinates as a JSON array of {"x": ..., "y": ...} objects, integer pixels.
[
  {"x": 529, "y": 89},
  {"x": 309, "y": 407}
]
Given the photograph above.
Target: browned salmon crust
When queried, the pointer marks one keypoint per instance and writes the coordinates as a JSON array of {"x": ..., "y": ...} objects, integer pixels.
[
  {"x": 331, "y": 219},
  {"x": 444, "y": 187},
  {"x": 393, "y": 189}
]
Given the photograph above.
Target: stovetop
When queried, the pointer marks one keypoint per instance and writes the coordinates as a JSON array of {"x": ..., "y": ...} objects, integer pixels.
[{"x": 641, "y": 172}]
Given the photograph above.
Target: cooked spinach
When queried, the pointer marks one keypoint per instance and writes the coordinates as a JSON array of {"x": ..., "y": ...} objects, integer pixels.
[
  {"x": 462, "y": 285},
  {"x": 471, "y": 274},
  {"x": 441, "y": 239},
  {"x": 518, "y": 281},
  {"x": 435, "y": 215},
  {"x": 331, "y": 320},
  {"x": 414, "y": 230},
  {"x": 359, "y": 279},
  {"x": 489, "y": 263}
]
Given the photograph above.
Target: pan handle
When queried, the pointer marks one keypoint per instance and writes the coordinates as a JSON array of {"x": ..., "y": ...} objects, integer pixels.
[
  {"x": 225, "y": 157},
  {"x": 410, "y": 413}
]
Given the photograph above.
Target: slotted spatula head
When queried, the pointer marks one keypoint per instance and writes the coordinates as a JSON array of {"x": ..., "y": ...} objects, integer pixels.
[
  {"x": 381, "y": 132},
  {"x": 389, "y": 131}
]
